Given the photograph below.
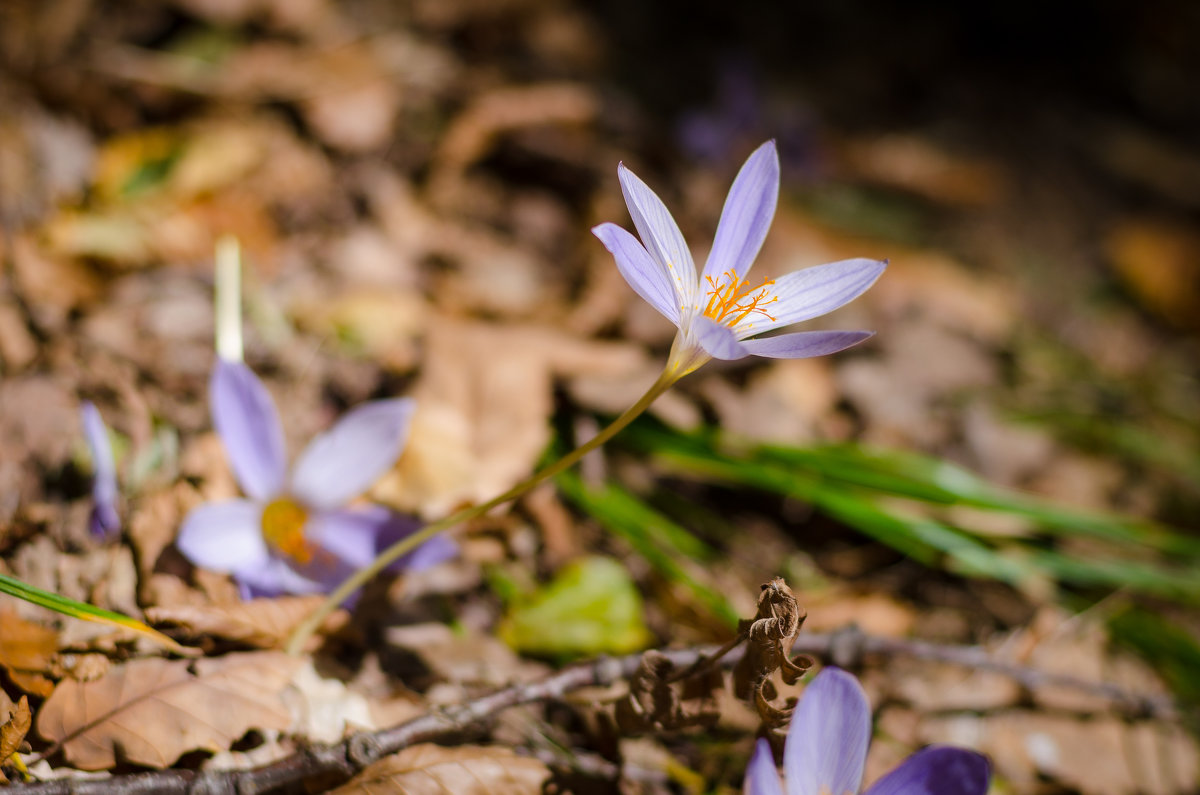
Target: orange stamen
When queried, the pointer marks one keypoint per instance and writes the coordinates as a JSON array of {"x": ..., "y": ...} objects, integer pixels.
[
  {"x": 731, "y": 301},
  {"x": 283, "y": 528}
]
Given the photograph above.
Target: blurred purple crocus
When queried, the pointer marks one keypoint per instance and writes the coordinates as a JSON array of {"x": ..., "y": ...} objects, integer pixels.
[
  {"x": 719, "y": 312},
  {"x": 104, "y": 519},
  {"x": 826, "y": 751},
  {"x": 294, "y": 533}
]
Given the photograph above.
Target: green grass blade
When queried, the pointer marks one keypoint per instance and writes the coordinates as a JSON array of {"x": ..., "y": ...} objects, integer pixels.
[
  {"x": 69, "y": 607},
  {"x": 666, "y": 546}
]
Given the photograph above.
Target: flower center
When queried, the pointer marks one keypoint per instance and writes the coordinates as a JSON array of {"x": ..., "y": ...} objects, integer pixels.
[
  {"x": 731, "y": 299},
  {"x": 283, "y": 528}
]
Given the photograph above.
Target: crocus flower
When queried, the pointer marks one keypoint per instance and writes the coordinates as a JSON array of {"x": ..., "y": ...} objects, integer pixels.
[
  {"x": 294, "y": 533},
  {"x": 104, "y": 519},
  {"x": 826, "y": 750},
  {"x": 719, "y": 312}
]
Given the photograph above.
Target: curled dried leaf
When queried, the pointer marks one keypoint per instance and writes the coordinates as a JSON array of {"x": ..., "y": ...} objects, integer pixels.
[{"x": 769, "y": 638}]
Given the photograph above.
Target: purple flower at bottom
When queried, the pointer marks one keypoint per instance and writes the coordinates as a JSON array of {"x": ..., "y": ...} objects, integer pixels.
[
  {"x": 294, "y": 533},
  {"x": 719, "y": 313},
  {"x": 104, "y": 519},
  {"x": 826, "y": 751}
]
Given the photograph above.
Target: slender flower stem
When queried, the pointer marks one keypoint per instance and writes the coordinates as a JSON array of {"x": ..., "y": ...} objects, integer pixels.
[{"x": 402, "y": 547}]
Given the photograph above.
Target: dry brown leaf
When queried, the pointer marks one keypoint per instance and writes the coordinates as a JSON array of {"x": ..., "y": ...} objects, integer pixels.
[
  {"x": 1159, "y": 261},
  {"x": 265, "y": 623},
  {"x": 463, "y": 657},
  {"x": 26, "y": 652},
  {"x": 433, "y": 770},
  {"x": 151, "y": 711},
  {"x": 13, "y": 732},
  {"x": 485, "y": 398},
  {"x": 15, "y": 728},
  {"x": 922, "y": 166}
]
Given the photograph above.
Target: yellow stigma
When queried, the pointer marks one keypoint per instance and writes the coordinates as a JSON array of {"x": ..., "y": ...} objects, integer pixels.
[
  {"x": 283, "y": 528},
  {"x": 732, "y": 299}
]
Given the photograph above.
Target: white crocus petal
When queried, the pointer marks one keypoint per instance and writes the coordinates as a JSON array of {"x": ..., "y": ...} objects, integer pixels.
[
  {"x": 344, "y": 461},
  {"x": 826, "y": 746},
  {"x": 746, "y": 217},
  {"x": 761, "y": 776},
  {"x": 643, "y": 273},
  {"x": 804, "y": 344},
  {"x": 812, "y": 292},
  {"x": 224, "y": 536},
  {"x": 659, "y": 233}
]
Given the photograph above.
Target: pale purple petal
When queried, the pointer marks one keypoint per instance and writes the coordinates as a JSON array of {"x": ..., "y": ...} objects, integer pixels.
[
  {"x": 717, "y": 339},
  {"x": 937, "y": 770},
  {"x": 749, "y": 209},
  {"x": 224, "y": 536},
  {"x": 761, "y": 776},
  {"x": 827, "y": 742},
  {"x": 816, "y": 291},
  {"x": 658, "y": 230},
  {"x": 358, "y": 535},
  {"x": 245, "y": 417},
  {"x": 804, "y": 344},
  {"x": 341, "y": 463},
  {"x": 438, "y": 549},
  {"x": 104, "y": 518},
  {"x": 276, "y": 577},
  {"x": 647, "y": 278}
]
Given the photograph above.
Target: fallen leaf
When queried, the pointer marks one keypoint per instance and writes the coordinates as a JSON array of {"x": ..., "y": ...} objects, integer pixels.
[
  {"x": 26, "y": 652},
  {"x": 151, "y": 711},
  {"x": 1158, "y": 261},
  {"x": 463, "y": 656},
  {"x": 265, "y": 623},
  {"x": 484, "y": 402},
  {"x": 591, "y": 607},
  {"x": 15, "y": 728},
  {"x": 428, "y": 769}
]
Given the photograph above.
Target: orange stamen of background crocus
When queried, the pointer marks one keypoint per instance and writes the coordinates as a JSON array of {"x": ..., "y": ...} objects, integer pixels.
[{"x": 283, "y": 528}]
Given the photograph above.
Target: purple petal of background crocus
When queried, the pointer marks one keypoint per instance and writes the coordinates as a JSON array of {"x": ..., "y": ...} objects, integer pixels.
[
  {"x": 747, "y": 214},
  {"x": 827, "y": 742},
  {"x": 804, "y": 344},
  {"x": 245, "y": 417},
  {"x": 275, "y": 577},
  {"x": 818, "y": 290},
  {"x": 104, "y": 517},
  {"x": 224, "y": 536},
  {"x": 658, "y": 230},
  {"x": 937, "y": 770},
  {"x": 761, "y": 776},
  {"x": 357, "y": 536},
  {"x": 647, "y": 278},
  {"x": 341, "y": 463}
]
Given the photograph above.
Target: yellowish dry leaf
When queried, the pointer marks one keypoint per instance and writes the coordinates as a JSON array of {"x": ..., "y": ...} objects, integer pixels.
[
  {"x": 151, "y": 711},
  {"x": 27, "y": 652},
  {"x": 15, "y": 728},
  {"x": 433, "y": 770},
  {"x": 264, "y": 623}
]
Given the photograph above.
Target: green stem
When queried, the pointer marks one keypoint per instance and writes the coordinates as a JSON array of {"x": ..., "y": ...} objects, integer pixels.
[{"x": 402, "y": 547}]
